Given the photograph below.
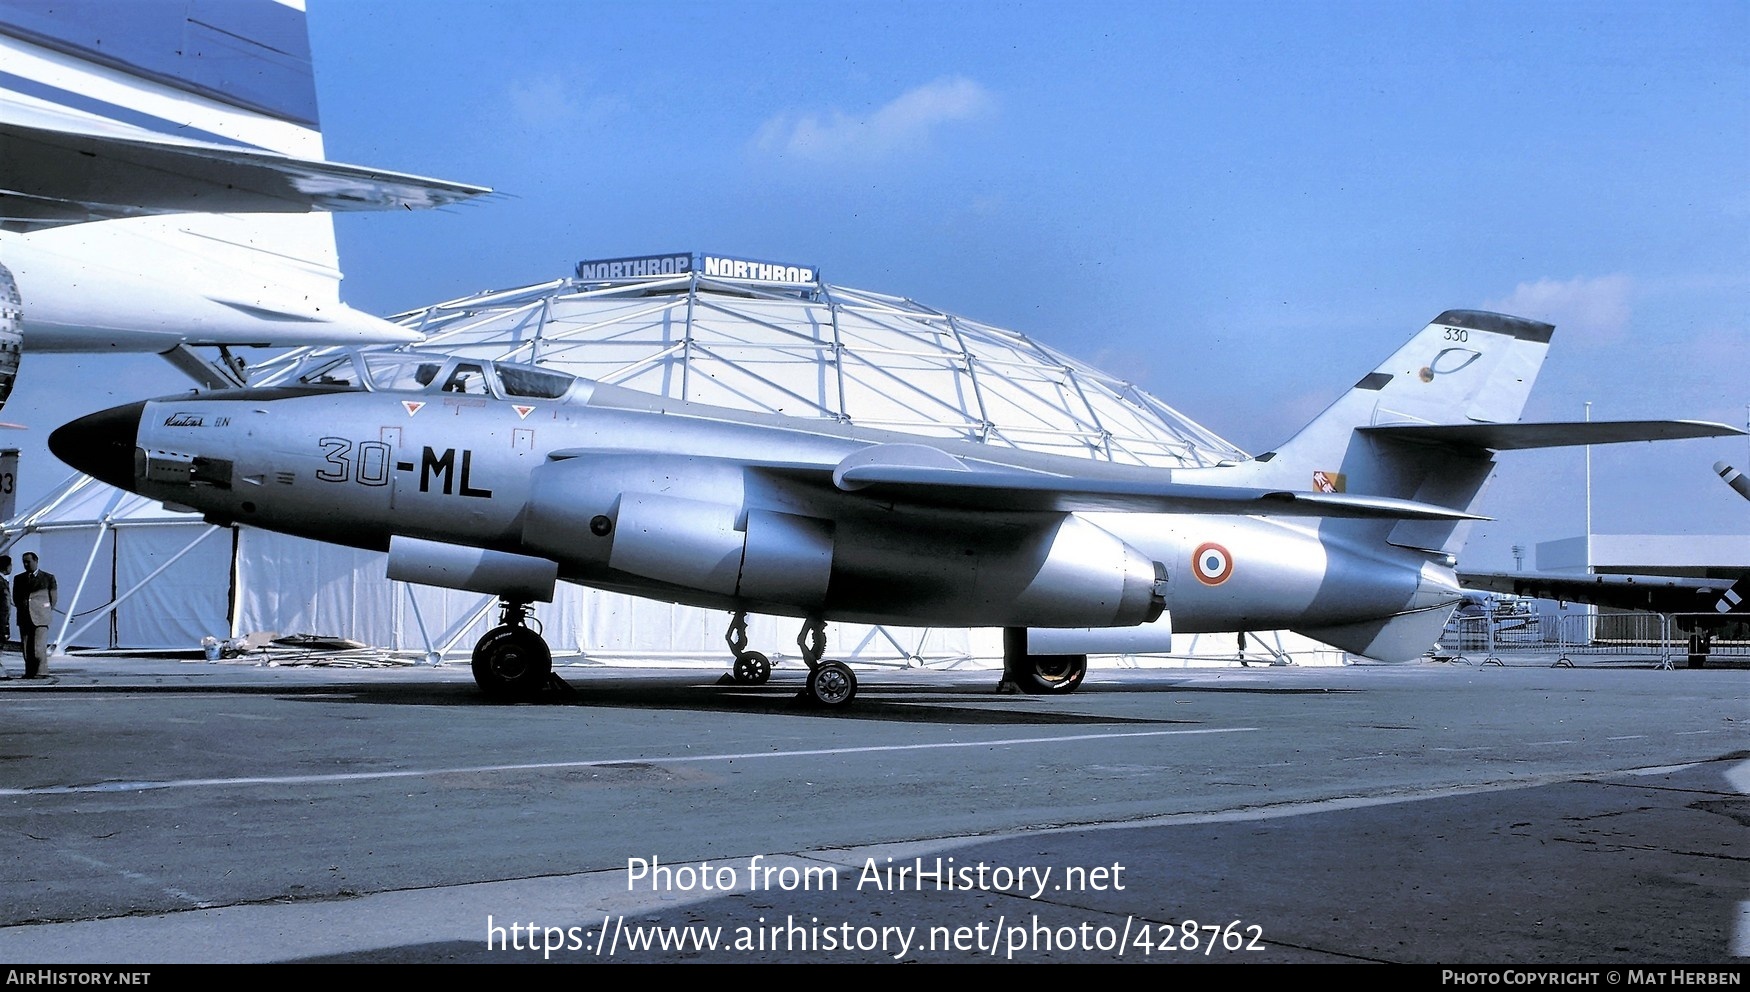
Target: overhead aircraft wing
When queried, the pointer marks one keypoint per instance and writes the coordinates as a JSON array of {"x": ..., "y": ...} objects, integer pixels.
[
  {"x": 190, "y": 131},
  {"x": 51, "y": 177},
  {"x": 1659, "y": 593},
  {"x": 1515, "y": 437}
]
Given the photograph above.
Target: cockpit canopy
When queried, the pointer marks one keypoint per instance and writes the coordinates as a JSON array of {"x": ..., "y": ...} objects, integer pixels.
[{"x": 402, "y": 372}]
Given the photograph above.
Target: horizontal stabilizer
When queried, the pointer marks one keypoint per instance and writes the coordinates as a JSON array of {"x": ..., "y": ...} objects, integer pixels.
[{"x": 1515, "y": 437}]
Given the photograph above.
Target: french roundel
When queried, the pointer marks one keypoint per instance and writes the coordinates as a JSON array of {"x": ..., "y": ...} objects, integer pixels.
[{"x": 1212, "y": 564}]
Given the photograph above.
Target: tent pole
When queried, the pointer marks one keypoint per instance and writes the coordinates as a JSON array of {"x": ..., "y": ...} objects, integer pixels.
[
  {"x": 119, "y": 600},
  {"x": 103, "y": 527},
  {"x": 462, "y": 628},
  {"x": 431, "y": 656}
]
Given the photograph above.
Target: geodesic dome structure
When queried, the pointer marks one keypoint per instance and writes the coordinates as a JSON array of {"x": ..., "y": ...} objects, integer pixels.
[
  {"x": 810, "y": 349},
  {"x": 701, "y": 328}
]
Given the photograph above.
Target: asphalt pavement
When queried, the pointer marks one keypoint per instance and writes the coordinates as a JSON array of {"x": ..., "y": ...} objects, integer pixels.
[{"x": 164, "y": 810}]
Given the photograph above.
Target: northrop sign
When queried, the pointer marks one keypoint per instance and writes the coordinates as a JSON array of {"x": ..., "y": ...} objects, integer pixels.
[
  {"x": 628, "y": 268},
  {"x": 745, "y": 268},
  {"x": 712, "y": 266}
]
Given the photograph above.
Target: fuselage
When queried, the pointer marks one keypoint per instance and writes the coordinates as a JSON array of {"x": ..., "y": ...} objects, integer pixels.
[{"x": 717, "y": 508}]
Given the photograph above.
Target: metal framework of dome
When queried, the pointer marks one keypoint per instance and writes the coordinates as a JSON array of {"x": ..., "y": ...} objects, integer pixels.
[{"x": 810, "y": 349}]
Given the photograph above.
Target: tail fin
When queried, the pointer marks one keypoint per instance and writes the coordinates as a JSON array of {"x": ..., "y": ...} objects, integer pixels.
[{"x": 1466, "y": 367}]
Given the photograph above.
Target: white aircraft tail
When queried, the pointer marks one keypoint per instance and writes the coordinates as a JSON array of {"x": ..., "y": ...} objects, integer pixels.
[
  {"x": 1466, "y": 371},
  {"x": 1425, "y": 426}
]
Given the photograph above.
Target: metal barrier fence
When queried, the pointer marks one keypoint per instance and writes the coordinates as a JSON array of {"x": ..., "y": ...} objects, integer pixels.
[
  {"x": 1616, "y": 635},
  {"x": 1712, "y": 635},
  {"x": 1659, "y": 638},
  {"x": 1487, "y": 635}
]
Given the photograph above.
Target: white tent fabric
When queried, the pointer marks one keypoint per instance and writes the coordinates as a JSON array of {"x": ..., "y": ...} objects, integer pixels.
[
  {"x": 129, "y": 571},
  {"x": 802, "y": 349}
]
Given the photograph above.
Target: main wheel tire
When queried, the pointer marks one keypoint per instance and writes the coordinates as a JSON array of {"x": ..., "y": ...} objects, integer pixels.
[
  {"x": 752, "y": 668},
  {"x": 832, "y": 684},
  {"x": 512, "y": 663},
  {"x": 1050, "y": 674}
]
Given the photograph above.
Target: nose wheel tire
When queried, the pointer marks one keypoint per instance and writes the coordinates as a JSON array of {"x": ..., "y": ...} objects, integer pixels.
[
  {"x": 752, "y": 668},
  {"x": 832, "y": 684},
  {"x": 1050, "y": 674},
  {"x": 512, "y": 663}
]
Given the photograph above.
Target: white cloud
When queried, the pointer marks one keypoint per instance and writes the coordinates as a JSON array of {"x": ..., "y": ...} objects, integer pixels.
[
  {"x": 544, "y": 100},
  {"x": 1599, "y": 306},
  {"x": 554, "y": 100},
  {"x": 901, "y": 126}
]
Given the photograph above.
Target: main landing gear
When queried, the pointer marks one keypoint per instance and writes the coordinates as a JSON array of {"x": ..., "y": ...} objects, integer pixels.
[
  {"x": 512, "y": 662},
  {"x": 751, "y": 667},
  {"x": 830, "y": 683},
  {"x": 1040, "y": 674}
]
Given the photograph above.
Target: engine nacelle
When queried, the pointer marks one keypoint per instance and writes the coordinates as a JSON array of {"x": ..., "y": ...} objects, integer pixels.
[
  {"x": 617, "y": 512},
  {"x": 451, "y": 566},
  {"x": 11, "y": 332},
  {"x": 707, "y": 525},
  {"x": 1089, "y": 578}
]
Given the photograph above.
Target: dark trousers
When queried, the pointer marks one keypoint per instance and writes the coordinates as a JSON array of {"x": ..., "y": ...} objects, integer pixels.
[{"x": 35, "y": 643}]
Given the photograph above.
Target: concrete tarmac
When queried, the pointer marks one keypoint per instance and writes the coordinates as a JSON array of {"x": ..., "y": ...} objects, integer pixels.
[{"x": 168, "y": 811}]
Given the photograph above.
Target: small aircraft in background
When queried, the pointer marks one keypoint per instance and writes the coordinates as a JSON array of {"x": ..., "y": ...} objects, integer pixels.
[
  {"x": 1701, "y": 604},
  {"x": 503, "y": 478},
  {"x": 1655, "y": 593}
]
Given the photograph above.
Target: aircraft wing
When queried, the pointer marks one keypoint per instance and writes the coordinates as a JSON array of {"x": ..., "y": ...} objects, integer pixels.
[
  {"x": 1515, "y": 437},
  {"x": 982, "y": 489},
  {"x": 51, "y": 177},
  {"x": 1659, "y": 593},
  {"x": 921, "y": 475}
]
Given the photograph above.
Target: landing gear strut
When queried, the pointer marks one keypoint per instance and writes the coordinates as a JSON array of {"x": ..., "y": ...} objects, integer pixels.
[
  {"x": 830, "y": 683},
  {"x": 512, "y": 662},
  {"x": 1040, "y": 674},
  {"x": 751, "y": 667}
]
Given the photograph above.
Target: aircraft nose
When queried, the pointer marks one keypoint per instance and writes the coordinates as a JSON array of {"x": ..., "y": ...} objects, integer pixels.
[{"x": 102, "y": 444}]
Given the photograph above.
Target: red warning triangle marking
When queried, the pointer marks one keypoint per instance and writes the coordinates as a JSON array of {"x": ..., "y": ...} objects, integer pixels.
[
  {"x": 412, "y": 406},
  {"x": 522, "y": 412}
]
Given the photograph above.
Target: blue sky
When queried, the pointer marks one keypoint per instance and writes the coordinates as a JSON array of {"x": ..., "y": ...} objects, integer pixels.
[{"x": 1242, "y": 206}]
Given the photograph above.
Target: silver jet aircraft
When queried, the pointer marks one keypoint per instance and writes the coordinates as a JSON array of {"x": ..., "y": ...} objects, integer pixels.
[{"x": 503, "y": 478}]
